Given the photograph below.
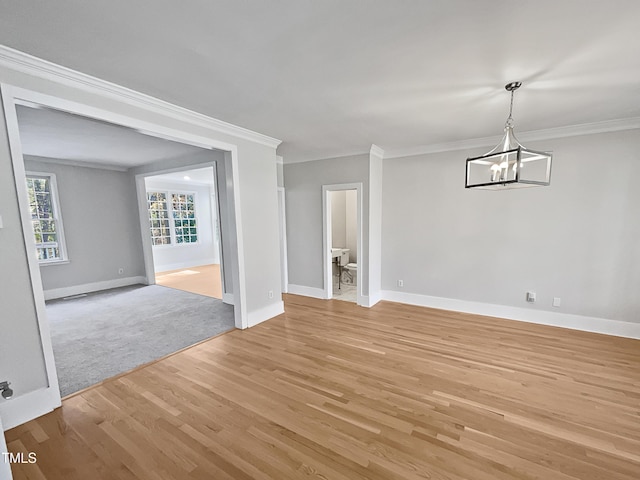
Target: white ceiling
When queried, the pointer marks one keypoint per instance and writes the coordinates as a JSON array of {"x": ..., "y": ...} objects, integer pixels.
[
  {"x": 332, "y": 77},
  {"x": 199, "y": 176},
  {"x": 64, "y": 136}
]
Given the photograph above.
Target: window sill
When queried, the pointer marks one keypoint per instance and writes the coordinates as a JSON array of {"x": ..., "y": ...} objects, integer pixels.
[{"x": 57, "y": 262}]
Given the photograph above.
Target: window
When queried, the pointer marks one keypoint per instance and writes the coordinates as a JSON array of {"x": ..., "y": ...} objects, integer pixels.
[
  {"x": 184, "y": 217},
  {"x": 172, "y": 218},
  {"x": 45, "y": 218},
  {"x": 159, "y": 218}
]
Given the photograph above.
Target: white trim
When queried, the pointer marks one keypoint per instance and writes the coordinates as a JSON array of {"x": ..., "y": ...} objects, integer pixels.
[
  {"x": 326, "y": 239},
  {"x": 376, "y": 151},
  {"x": 54, "y": 293},
  {"x": 352, "y": 153},
  {"x": 227, "y": 298},
  {"x": 542, "y": 317},
  {"x": 25, "y": 63},
  {"x": 5, "y": 467},
  {"x": 51, "y": 399},
  {"x": 305, "y": 291},
  {"x": 134, "y": 122},
  {"x": 57, "y": 216},
  {"x": 239, "y": 279},
  {"x": 374, "y": 250},
  {"x": 21, "y": 409},
  {"x": 265, "y": 313},
  {"x": 216, "y": 222},
  {"x": 370, "y": 300},
  {"x": 530, "y": 136},
  {"x": 77, "y": 163},
  {"x": 145, "y": 228},
  {"x": 284, "y": 264},
  {"x": 279, "y": 160}
]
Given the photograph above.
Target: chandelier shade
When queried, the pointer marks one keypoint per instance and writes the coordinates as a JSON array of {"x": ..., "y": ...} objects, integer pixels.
[{"x": 509, "y": 164}]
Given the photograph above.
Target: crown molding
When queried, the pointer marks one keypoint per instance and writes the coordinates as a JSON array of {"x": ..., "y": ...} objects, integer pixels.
[
  {"x": 351, "y": 153},
  {"x": 530, "y": 136},
  {"x": 376, "y": 151},
  {"x": 37, "y": 67}
]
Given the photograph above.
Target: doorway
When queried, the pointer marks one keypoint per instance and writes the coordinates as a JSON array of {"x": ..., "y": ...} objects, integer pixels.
[
  {"x": 342, "y": 242},
  {"x": 47, "y": 247},
  {"x": 184, "y": 226}
]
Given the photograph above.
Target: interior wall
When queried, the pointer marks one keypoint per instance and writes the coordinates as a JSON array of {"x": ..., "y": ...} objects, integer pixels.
[
  {"x": 101, "y": 228},
  {"x": 280, "y": 171},
  {"x": 351, "y": 224},
  {"x": 21, "y": 355},
  {"x": 205, "y": 252},
  {"x": 304, "y": 182},
  {"x": 576, "y": 239},
  {"x": 338, "y": 219},
  {"x": 23, "y": 363},
  {"x": 261, "y": 238}
]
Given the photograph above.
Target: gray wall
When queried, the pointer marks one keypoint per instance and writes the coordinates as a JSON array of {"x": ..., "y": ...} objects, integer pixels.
[
  {"x": 577, "y": 239},
  {"x": 351, "y": 224},
  {"x": 338, "y": 219},
  {"x": 21, "y": 357},
  {"x": 101, "y": 226},
  {"x": 303, "y": 182}
]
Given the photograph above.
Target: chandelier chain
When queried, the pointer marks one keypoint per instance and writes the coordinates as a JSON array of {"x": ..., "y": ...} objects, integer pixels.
[{"x": 509, "y": 122}]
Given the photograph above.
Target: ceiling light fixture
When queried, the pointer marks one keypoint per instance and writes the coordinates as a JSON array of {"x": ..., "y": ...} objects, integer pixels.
[{"x": 509, "y": 164}]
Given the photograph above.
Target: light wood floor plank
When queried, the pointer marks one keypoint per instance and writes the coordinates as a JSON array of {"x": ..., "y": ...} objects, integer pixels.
[
  {"x": 335, "y": 391},
  {"x": 203, "y": 280}
]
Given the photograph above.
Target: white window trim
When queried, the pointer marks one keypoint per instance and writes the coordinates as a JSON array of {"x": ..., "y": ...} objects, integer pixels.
[
  {"x": 62, "y": 244},
  {"x": 172, "y": 225}
]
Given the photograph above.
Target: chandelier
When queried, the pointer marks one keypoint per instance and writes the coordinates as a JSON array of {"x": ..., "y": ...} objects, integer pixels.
[{"x": 509, "y": 164}]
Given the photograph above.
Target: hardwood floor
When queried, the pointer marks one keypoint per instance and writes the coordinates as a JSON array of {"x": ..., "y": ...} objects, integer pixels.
[
  {"x": 334, "y": 391},
  {"x": 203, "y": 280}
]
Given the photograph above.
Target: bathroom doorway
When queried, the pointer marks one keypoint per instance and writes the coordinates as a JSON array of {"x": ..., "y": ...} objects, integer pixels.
[{"x": 343, "y": 242}]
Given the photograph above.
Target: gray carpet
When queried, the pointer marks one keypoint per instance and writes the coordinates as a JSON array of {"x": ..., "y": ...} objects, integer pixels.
[{"x": 107, "y": 333}]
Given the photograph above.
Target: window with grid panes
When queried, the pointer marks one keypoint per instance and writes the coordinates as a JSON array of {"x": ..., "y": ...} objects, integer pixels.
[
  {"x": 184, "y": 217},
  {"x": 159, "y": 221},
  {"x": 45, "y": 219}
]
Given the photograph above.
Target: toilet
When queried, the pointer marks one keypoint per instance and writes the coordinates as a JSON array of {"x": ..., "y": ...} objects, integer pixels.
[{"x": 350, "y": 273}]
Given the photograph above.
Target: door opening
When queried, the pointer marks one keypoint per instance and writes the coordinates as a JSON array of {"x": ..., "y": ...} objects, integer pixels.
[{"x": 342, "y": 234}]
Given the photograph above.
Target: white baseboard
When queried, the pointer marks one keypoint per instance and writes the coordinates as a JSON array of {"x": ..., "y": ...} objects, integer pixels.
[
  {"x": 227, "y": 298},
  {"x": 307, "y": 291},
  {"x": 186, "y": 264},
  {"x": 265, "y": 313},
  {"x": 370, "y": 300},
  {"x": 566, "y": 320},
  {"x": 20, "y": 409},
  {"x": 92, "y": 287}
]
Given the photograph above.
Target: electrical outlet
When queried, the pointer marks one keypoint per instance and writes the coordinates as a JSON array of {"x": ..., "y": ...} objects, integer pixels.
[
  {"x": 401, "y": 283},
  {"x": 270, "y": 293},
  {"x": 556, "y": 301},
  {"x": 120, "y": 271},
  {"x": 531, "y": 297}
]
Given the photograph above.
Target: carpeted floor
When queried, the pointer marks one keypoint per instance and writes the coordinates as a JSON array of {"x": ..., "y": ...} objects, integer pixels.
[{"x": 107, "y": 333}]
